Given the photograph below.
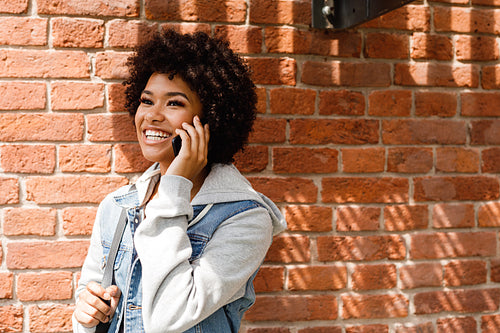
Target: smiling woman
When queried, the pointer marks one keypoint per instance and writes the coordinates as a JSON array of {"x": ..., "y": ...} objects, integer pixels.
[{"x": 198, "y": 232}]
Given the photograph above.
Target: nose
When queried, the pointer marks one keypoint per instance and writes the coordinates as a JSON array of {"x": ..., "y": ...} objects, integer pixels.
[{"x": 154, "y": 114}]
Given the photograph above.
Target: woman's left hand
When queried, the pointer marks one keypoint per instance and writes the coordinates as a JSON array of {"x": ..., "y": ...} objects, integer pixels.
[{"x": 192, "y": 157}]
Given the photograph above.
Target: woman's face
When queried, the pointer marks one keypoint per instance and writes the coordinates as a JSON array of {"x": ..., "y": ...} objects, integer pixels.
[{"x": 165, "y": 105}]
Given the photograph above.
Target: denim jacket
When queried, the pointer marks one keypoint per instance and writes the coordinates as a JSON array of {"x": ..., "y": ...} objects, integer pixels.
[{"x": 227, "y": 219}]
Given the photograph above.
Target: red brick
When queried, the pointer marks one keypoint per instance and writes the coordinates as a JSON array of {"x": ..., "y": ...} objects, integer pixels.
[
  {"x": 78, "y": 220},
  {"x": 287, "y": 40},
  {"x": 421, "y": 275},
  {"x": 436, "y": 75},
  {"x": 393, "y": 103},
  {"x": 76, "y": 96},
  {"x": 28, "y": 158},
  {"x": 77, "y": 32},
  {"x": 6, "y": 286},
  {"x": 415, "y": 328},
  {"x": 360, "y": 248},
  {"x": 410, "y": 160},
  {"x": 453, "y": 216},
  {"x": 111, "y": 65},
  {"x": 116, "y": 97},
  {"x": 44, "y": 64},
  {"x": 370, "y": 328},
  {"x": 374, "y": 306},
  {"x": 11, "y": 318},
  {"x": 289, "y": 249},
  {"x": 71, "y": 189},
  {"x": 431, "y": 47},
  {"x": 321, "y": 329},
  {"x": 280, "y": 12},
  {"x": 252, "y": 159},
  {"x": 430, "y": 103},
  {"x": 409, "y": 17},
  {"x": 414, "y": 132},
  {"x": 269, "y": 279},
  {"x": 358, "y": 218},
  {"x": 341, "y": 102},
  {"x": 465, "y": 272},
  {"x": 463, "y": 301},
  {"x": 337, "y": 131},
  {"x": 261, "y": 100},
  {"x": 13, "y": 6},
  {"x": 452, "y": 245},
  {"x": 126, "y": 8},
  {"x": 268, "y": 330},
  {"x": 485, "y": 2},
  {"x": 363, "y": 160},
  {"x": 185, "y": 10},
  {"x": 42, "y": 127},
  {"x": 110, "y": 127},
  {"x": 293, "y": 308},
  {"x": 490, "y": 78},
  {"x": 364, "y": 190},
  {"x": 44, "y": 286},
  {"x": 305, "y": 160},
  {"x": 456, "y": 325},
  {"x": 51, "y": 318},
  {"x": 278, "y": 71},
  {"x": 317, "y": 278},
  {"x": 460, "y": 188},
  {"x": 46, "y": 255},
  {"x": 129, "y": 34},
  {"x": 268, "y": 130},
  {"x": 387, "y": 45},
  {"x": 488, "y": 215},
  {"x": 370, "y": 277},
  {"x": 457, "y": 159},
  {"x": 355, "y": 74},
  {"x": 485, "y": 132},
  {"x": 29, "y": 221},
  {"x": 490, "y": 323},
  {"x": 23, "y": 31},
  {"x": 242, "y": 39},
  {"x": 405, "y": 217},
  {"x": 85, "y": 158},
  {"x": 480, "y": 104},
  {"x": 466, "y": 20},
  {"x": 22, "y": 95},
  {"x": 308, "y": 218},
  {"x": 129, "y": 158},
  {"x": 476, "y": 48},
  {"x": 9, "y": 190},
  {"x": 291, "y": 189},
  {"x": 292, "y": 101},
  {"x": 187, "y": 27},
  {"x": 495, "y": 270}
]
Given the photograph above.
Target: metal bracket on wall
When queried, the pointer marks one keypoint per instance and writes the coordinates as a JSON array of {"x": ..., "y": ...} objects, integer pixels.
[{"x": 343, "y": 14}]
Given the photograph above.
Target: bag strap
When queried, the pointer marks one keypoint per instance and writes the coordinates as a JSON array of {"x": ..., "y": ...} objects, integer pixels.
[{"x": 107, "y": 278}]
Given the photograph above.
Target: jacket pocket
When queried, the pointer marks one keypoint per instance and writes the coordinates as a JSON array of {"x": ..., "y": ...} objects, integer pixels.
[{"x": 106, "y": 247}]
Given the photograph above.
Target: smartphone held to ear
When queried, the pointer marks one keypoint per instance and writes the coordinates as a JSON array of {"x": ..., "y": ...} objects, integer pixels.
[{"x": 176, "y": 144}]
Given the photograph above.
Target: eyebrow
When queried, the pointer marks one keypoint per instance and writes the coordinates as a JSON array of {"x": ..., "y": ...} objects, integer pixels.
[{"x": 169, "y": 94}]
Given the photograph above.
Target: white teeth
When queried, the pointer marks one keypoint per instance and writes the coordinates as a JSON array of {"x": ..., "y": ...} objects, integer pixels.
[{"x": 156, "y": 135}]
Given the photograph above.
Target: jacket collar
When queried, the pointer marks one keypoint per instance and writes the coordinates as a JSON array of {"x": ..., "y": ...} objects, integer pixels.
[{"x": 138, "y": 193}]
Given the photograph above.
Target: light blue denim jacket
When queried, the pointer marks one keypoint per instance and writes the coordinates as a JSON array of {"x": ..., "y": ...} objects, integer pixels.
[{"x": 191, "y": 270}]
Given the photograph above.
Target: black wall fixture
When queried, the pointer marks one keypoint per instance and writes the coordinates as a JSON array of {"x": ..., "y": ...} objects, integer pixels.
[{"x": 343, "y": 14}]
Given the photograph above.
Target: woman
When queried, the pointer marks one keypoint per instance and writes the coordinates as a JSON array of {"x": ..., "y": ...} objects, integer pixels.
[{"x": 197, "y": 232}]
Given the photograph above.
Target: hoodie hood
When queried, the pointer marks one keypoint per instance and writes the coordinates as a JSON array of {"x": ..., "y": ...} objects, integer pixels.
[{"x": 225, "y": 184}]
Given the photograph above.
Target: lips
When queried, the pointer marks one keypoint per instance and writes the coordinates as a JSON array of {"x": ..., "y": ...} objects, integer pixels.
[{"x": 156, "y": 135}]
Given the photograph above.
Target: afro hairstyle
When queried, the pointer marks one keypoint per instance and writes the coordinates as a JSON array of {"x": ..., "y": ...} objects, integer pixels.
[{"x": 214, "y": 72}]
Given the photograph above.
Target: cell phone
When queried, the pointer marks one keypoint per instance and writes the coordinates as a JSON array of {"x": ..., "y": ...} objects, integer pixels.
[{"x": 176, "y": 144}]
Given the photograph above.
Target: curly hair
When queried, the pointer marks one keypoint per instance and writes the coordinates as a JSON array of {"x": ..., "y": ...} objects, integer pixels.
[{"x": 214, "y": 72}]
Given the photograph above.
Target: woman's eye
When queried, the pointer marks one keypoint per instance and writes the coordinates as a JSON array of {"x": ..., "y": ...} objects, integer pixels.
[
  {"x": 175, "y": 103},
  {"x": 145, "y": 101}
]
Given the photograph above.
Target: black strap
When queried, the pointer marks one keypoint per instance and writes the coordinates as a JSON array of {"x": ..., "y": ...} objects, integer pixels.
[{"x": 107, "y": 277}]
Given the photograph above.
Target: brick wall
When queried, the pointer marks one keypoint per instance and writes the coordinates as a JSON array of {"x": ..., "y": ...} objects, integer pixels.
[{"x": 381, "y": 144}]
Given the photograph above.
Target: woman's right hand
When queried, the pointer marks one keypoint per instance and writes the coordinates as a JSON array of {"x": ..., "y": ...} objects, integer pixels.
[{"x": 90, "y": 307}]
